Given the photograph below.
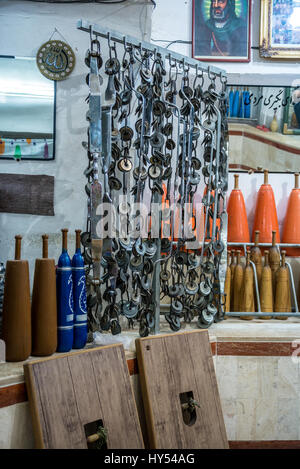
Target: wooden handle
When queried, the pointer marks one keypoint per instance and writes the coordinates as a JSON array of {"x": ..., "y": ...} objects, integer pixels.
[
  {"x": 248, "y": 258},
  {"x": 283, "y": 254},
  {"x": 45, "y": 246},
  {"x": 273, "y": 238},
  {"x": 256, "y": 241},
  {"x": 238, "y": 254},
  {"x": 18, "y": 247},
  {"x": 64, "y": 238},
  {"x": 232, "y": 255},
  {"x": 266, "y": 177},
  {"x": 228, "y": 258},
  {"x": 97, "y": 245},
  {"x": 266, "y": 258},
  {"x": 78, "y": 238},
  {"x": 236, "y": 181},
  {"x": 296, "y": 180},
  {"x": 92, "y": 438}
]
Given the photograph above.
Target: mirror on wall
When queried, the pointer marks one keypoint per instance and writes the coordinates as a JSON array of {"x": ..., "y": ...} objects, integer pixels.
[
  {"x": 264, "y": 128},
  {"x": 27, "y": 111}
]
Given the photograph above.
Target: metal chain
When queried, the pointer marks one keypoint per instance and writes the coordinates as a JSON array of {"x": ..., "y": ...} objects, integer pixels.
[{"x": 160, "y": 132}]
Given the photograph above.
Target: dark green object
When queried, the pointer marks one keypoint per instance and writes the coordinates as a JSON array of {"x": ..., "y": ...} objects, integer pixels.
[
  {"x": 102, "y": 432},
  {"x": 18, "y": 154}
]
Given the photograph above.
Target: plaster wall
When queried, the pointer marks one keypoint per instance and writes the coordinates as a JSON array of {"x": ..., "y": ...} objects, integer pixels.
[{"x": 25, "y": 26}]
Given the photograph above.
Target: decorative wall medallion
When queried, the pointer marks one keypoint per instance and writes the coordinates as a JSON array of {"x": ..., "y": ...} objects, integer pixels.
[{"x": 55, "y": 60}]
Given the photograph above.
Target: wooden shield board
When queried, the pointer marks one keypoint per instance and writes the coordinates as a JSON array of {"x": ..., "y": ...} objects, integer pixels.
[
  {"x": 68, "y": 393},
  {"x": 174, "y": 368}
]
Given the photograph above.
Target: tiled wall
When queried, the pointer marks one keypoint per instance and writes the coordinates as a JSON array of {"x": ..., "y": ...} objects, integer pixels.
[
  {"x": 254, "y": 154},
  {"x": 15, "y": 427},
  {"x": 260, "y": 397}
]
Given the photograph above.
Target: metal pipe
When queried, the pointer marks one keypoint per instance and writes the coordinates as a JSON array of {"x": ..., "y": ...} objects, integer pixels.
[
  {"x": 294, "y": 315},
  {"x": 175, "y": 185},
  {"x": 115, "y": 36},
  {"x": 165, "y": 306},
  {"x": 260, "y": 244},
  {"x": 283, "y": 245},
  {"x": 204, "y": 243},
  {"x": 218, "y": 145},
  {"x": 293, "y": 286},
  {"x": 256, "y": 286}
]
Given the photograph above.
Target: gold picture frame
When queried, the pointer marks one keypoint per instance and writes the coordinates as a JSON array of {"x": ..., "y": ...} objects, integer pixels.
[{"x": 279, "y": 30}]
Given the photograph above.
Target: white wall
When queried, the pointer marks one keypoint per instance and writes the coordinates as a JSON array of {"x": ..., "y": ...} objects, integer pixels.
[
  {"x": 25, "y": 26},
  {"x": 172, "y": 20}
]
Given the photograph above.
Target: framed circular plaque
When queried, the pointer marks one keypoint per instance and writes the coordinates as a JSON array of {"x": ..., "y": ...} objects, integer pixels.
[{"x": 55, "y": 60}]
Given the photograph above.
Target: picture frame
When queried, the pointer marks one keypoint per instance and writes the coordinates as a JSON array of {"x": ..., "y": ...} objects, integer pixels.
[
  {"x": 221, "y": 32},
  {"x": 291, "y": 116},
  {"x": 280, "y": 29}
]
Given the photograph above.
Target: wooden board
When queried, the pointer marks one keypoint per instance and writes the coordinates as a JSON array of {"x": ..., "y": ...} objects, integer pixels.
[
  {"x": 69, "y": 391},
  {"x": 170, "y": 365},
  {"x": 23, "y": 193}
]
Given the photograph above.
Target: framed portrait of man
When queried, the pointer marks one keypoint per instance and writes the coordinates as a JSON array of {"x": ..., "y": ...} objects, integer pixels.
[{"x": 221, "y": 30}]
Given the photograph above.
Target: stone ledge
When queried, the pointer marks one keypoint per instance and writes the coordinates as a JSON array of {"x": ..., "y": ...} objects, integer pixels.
[{"x": 230, "y": 337}]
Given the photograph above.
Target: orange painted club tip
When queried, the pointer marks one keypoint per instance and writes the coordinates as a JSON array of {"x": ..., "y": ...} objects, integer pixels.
[
  {"x": 238, "y": 229},
  {"x": 2, "y": 146},
  {"x": 291, "y": 226},
  {"x": 265, "y": 219}
]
